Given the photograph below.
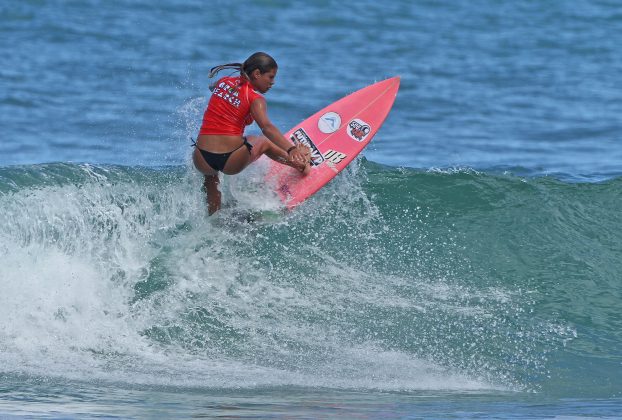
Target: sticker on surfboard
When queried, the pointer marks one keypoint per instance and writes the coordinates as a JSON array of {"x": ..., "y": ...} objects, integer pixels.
[
  {"x": 358, "y": 129},
  {"x": 301, "y": 136},
  {"x": 329, "y": 122},
  {"x": 334, "y": 156}
]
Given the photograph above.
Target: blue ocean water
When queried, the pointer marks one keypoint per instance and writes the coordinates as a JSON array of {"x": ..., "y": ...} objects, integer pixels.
[{"x": 467, "y": 265}]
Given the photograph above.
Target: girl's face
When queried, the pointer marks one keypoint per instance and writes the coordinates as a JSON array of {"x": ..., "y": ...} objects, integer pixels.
[{"x": 263, "y": 81}]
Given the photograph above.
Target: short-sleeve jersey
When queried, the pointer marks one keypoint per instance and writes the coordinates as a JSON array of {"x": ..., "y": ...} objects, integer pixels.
[{"x": 229, "y": 108}]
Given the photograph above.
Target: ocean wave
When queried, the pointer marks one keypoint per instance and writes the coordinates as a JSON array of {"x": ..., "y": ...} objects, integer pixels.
[{"x": 389, "y": 278}]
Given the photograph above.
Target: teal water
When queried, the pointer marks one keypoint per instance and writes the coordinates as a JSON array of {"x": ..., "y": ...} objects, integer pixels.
[
  {"x": 402, "y": 290},
  {"x": 466, "y": 265}
]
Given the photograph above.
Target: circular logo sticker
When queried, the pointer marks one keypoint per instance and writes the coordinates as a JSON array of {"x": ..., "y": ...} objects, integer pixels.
[
  {"x": 329, "y": 122},
  {"x": 358, "y": 129}
]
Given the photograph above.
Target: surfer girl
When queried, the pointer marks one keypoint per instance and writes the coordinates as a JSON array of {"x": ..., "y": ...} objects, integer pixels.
[{"x": 236, "y": 102}]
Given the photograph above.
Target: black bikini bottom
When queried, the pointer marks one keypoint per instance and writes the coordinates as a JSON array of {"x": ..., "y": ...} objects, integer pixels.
[{"x": 218, "y": 160}]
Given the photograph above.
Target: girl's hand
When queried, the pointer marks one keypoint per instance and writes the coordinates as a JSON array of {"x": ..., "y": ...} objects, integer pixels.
[{"x": 301, "y": 155}]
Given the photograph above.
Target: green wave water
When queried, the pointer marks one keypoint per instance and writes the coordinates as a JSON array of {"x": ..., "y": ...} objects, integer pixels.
[{"x": 387, "y": 280}]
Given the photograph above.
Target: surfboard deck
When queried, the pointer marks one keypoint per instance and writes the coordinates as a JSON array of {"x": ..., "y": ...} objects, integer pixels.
[{"x": 336, "y": 135}]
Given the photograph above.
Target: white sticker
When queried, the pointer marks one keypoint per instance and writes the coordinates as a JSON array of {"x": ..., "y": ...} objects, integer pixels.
[
  {"x": 358, "y": 129},
  {"x": 329, "y": 122}
]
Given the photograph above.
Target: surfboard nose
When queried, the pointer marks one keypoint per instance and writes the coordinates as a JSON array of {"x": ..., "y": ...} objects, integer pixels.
[
  {"x": 392, "y": 84},
  {"x": 396, "y": 80}
]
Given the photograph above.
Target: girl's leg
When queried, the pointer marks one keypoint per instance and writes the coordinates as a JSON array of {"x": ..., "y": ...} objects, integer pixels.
[
  {"x": 210, "y": 184},
  {"x": 213, "y": 193},
  {"x": 237, "y": 162}
]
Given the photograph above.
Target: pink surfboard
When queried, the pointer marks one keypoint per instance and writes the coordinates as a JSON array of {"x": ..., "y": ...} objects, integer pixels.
[{"x": 336, "y": 135}]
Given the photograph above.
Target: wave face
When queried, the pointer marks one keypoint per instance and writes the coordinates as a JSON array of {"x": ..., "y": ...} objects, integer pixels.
[{"x": 387, "y": 279}]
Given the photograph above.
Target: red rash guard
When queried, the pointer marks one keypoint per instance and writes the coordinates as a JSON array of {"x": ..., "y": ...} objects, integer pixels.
[{"x": 229, "y": 108}]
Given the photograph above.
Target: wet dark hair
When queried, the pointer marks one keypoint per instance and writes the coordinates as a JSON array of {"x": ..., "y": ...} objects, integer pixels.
[{"x": 258, "y": 61}]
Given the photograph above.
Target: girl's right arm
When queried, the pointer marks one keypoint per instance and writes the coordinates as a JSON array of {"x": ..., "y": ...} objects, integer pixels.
[{"x": 259, "y": 112}]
